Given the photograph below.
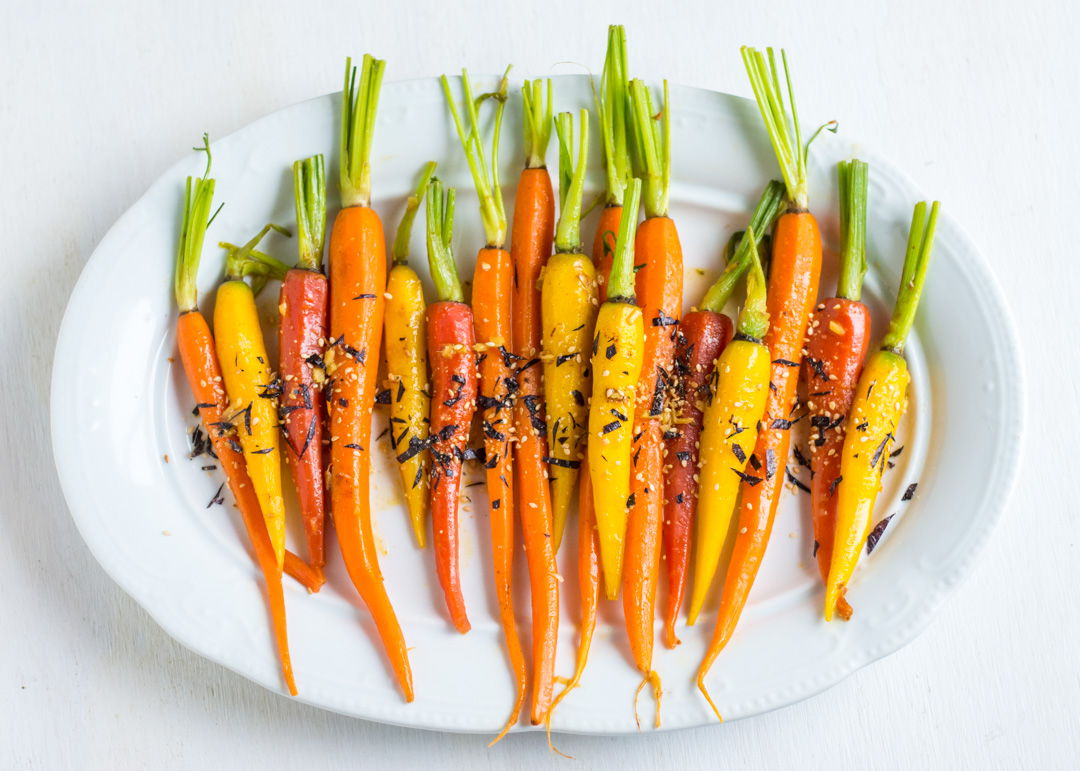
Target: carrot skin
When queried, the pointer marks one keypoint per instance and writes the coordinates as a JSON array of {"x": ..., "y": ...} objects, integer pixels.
[
  {"x": 491, "y": 317},
  {"x": 453, "y": 402},
  {"x": 641, "y": 565},
  {"x": 199, "y": 357},
  {"x": 793, "y": 286},
  {"x": 302, "y": 334},
  {"x": 658, "y": 284},
  {"x": 603, "y": 252},
  {"x": 531, "y": 241},
  {"x": 840, "y": 354},
  {"x": 357, "y": 283},
  {"x": 701, "y": 339}
]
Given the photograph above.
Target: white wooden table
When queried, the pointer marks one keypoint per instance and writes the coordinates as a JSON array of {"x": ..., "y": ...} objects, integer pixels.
[{"x": 976, "y": 103}]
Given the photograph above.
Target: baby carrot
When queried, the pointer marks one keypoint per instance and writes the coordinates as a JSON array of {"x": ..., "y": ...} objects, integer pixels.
[
  {"x": 407, "y": 366},
  {"x": 357, "y": 287},
  {"x": 568, "y": 310},
  {"x": 730, "y": 426},
  {"x": 252, "y": 390},
  {"x": 880, "y": 401},
  {"x": 453, "y": 395},
  {"x": 613, "y": 106},
  {"x": 616, "y": 365},
  {"x": 492, "y": 288},
  {"x": 836, "y": 344},
  {"x": 199, "y": 357},
  {"x": 301, "y": 340},
  {"x": 530, "y": 247}
]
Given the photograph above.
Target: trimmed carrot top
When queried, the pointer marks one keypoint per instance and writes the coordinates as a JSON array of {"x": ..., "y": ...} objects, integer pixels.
[
  {"x": 790, "y": 151},
  {"x": 612, "y": 105},
  {"x": 651, "y": 147},
  {"x": 440, "y": 232},
  {"x": 854, "y": 181},
  {"x": 621, "y": 284},
  {"x": 754, "y": 319},
  {"x": 309, "y": 192},
  {"x": 920, "y": 241},
  {"x": 492, "y": 211},
  {"x": 537, "y": 122},
  {"x": 359, "y": 103},
  {"x": 198, "y": 197},
  {"x": 571, "y": 181},
  {"x": 765, "y": 214},
  {"x": 404, "y": 232}
]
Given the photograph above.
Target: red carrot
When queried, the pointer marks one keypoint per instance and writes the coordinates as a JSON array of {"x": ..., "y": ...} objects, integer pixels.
[{"x": 453, "y": 395}]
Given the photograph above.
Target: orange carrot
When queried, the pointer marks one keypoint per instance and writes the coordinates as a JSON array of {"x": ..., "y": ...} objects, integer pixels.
[
  {"x": 357, "y": 284},
  {"x": 199, "y": 357},
  {"x": 530, "y": 246},
  {"x": 492, "y": 288},
  {"x": 793, "y": 286}
]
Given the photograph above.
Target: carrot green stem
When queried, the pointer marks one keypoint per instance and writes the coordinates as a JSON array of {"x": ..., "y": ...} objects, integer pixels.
[
  {"x": 754, "y": 319},
  {"x": 765, "y": 214},
  {"x": 404, "y": 232},
  {"x": 309, "y": 190},
  {"x": 917, "y": 260},
  {"x": 237, "y": 264},
  {"x": 359, "y": 103},
  {"x": 440, "y": 232},
  {"x": 537, "y": 122},
  {"x": 488, "y": 187},
  {"x": 198, "y": 197},
  {"x": 652, "y": 148},
  {"x": 790, "y": 151},
  {"x": 612, "y": 106},
  {"x": 854, "y": 182},
  {"x": 621, "y": 282},
  {"x": 571, "y": 181}
]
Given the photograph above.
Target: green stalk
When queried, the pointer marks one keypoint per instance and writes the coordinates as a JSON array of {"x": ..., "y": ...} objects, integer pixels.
[
  {"x": 791, "y": 153},
  {"x": 651, "y": 148},
  {"x": 198, "y": 198},
  {"x": 309, "y": 191},
  {"x": 488, "y": 187},
  {"x": 765, "y": 214},
  {"x": 359, "y": 104},
  {"x": 854, "y": 183},
  {"x": 440, "y": 232},
  {"x": 754, "y": 319},
  {"x": 917, "y": 260},
  {"x": 237, "y": 264},
  {"x": 612, "y": 106},
  {"x": 571, "y": 182},
  {"x": 404, "y": 232},
  {"x": 537, "y": 122},
  {"x": 621, "y": 282}
]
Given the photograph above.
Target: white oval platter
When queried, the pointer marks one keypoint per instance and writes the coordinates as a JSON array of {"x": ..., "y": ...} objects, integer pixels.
[{"x": 120, "y": 406}]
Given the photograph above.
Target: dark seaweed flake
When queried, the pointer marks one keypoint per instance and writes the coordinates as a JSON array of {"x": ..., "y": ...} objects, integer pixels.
[
  {"x": 770, "y": 463},
  {"x": 834, "y": 485},
  {"x": 560, "y": 360},
  {"x": 610, "y": 352},
  {"x": 786, "y": 362},
  {"x": 738, "y": 452},
  {"x": 612, "y": 426},
  {"x": 795, "y": 481},
  {"x": 264, "y": 451},
  {"x": 217, "y": 496},
  {"x": 750, "y": 479},
  {"x": 909, "y": 493},
  {"x": 780, "y": 423},
  {"x": 876, "y": 533},
  {"x": 382, "y": 397},
  {"x": 561, "y": 463},
  {"x": 663, "y": 320}
]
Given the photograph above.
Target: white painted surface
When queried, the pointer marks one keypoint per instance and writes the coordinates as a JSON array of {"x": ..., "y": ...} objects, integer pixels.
[{"x": 96, "y": 101}]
